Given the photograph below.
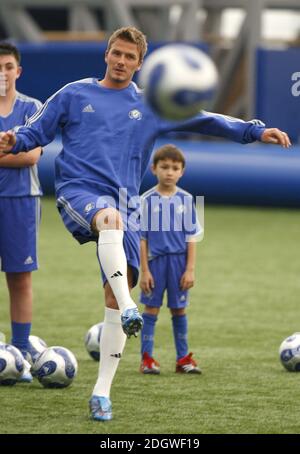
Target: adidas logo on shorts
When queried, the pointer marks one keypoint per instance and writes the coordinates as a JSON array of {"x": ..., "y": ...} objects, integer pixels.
[
  {"x": 88, "y": 108},
  {"x": 28, "y": 261}
]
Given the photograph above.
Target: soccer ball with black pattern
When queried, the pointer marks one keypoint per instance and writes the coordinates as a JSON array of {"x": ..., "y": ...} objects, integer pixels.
[
  {"x": 92, "y": 341},
  {"x": 56, "y": 367},
  {"x": 289, "y": 353},
  {"x": 178, "y": 80},
  {"x": 36, "y": 346},
  {"x": 11, "y": 364}
]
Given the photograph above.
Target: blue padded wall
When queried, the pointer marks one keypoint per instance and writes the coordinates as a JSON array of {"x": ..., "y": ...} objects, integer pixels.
[
  {"x": 49, "y": 66},
  {"x": 275, "y": 103},
  {"x": 223, "y": 172}
]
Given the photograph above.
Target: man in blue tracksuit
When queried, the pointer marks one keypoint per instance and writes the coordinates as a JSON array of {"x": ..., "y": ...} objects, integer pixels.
[{"x": 108, "y": 133}]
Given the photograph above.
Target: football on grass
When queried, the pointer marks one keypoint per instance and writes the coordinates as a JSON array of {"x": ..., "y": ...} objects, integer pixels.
[
  {"x": 92, "y": 341},
  {"x": 55, "y": 367},
  {"x": 289, "y": 353},
  {"x": 11, "y": 364}
]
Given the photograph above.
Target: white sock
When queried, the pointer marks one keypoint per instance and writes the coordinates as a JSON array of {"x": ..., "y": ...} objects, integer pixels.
[
  {"x": 114, "y": 264},
  {"x": 112, "y": 344}
]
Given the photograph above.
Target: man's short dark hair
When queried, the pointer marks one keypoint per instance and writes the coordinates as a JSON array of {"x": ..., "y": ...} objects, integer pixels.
[{"x": 132, "y": 35}]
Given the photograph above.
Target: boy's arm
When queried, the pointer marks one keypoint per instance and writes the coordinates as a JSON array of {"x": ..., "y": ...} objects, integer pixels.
[
  {"x": 147, "y": 281},
  {"x": 144, "y": 256},
  {"x": 22, "y": 159},
  {"x": 188, "y": 278}
]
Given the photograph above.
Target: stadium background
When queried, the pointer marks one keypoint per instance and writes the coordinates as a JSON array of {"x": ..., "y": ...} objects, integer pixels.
[
  {"x": 246, "y": 296},
  {"x": 274, "y": 73},
  {"x": 276, "y": 182}
]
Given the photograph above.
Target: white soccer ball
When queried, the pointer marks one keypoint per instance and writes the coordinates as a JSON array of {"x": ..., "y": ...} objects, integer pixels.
[
  {"x": 178, "y": 79},
  {"x": 289, "y": 353},
  {"x": 36, "y": 346},
  {"x": 92, "y": 341},
  {"x": 11, "y": 364},
  {"x": 55, "y": 367}
]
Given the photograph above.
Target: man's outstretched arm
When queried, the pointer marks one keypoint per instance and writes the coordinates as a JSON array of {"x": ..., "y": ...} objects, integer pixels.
[
  {"x": 231, "y": 128},
  {"x": 274, "y": 135},
  {"x": 41, "y": 127}
]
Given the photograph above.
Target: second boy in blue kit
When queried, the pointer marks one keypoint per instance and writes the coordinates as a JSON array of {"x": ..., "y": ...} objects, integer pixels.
[{"x": 168, "y": 253}]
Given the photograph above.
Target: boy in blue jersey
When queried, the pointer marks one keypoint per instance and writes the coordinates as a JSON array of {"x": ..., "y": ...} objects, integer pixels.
[
  {"x": 108, "y": 133},
  {"x": 19, "y": 203},
  {"x": 168, "y": 254}
]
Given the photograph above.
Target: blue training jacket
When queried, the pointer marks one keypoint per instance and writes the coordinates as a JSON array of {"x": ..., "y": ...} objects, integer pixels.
[{"x": 108, "y": 135}]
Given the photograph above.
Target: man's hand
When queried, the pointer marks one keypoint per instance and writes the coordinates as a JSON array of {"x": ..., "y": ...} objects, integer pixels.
[
  {"x": 274, "y": 135},
  {"x": 7, "y": 141}
]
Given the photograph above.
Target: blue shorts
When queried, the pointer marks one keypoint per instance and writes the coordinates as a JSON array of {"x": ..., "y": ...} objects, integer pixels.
[
  {"x": 77, "y": 211},
  {"x": 167, "y": 271},
  {"x": 20, "y": 219}
]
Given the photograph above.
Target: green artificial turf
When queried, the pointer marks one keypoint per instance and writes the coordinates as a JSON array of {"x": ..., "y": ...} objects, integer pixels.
[{"x": 244, "y": 303}]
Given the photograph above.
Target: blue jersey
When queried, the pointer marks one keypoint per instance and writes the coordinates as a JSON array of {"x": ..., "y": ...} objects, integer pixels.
[
  {"x": 23, "y": 181},
  {"x": 168, "y": 223},
  {"x": 108, "y": 136}
]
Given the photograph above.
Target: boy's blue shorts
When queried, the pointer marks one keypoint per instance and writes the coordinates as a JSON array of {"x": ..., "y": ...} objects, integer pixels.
[
  {"x": 20, "y": 218},
  {"x": 77, "y": 211},
  {"x": 167, "y": 271}
]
